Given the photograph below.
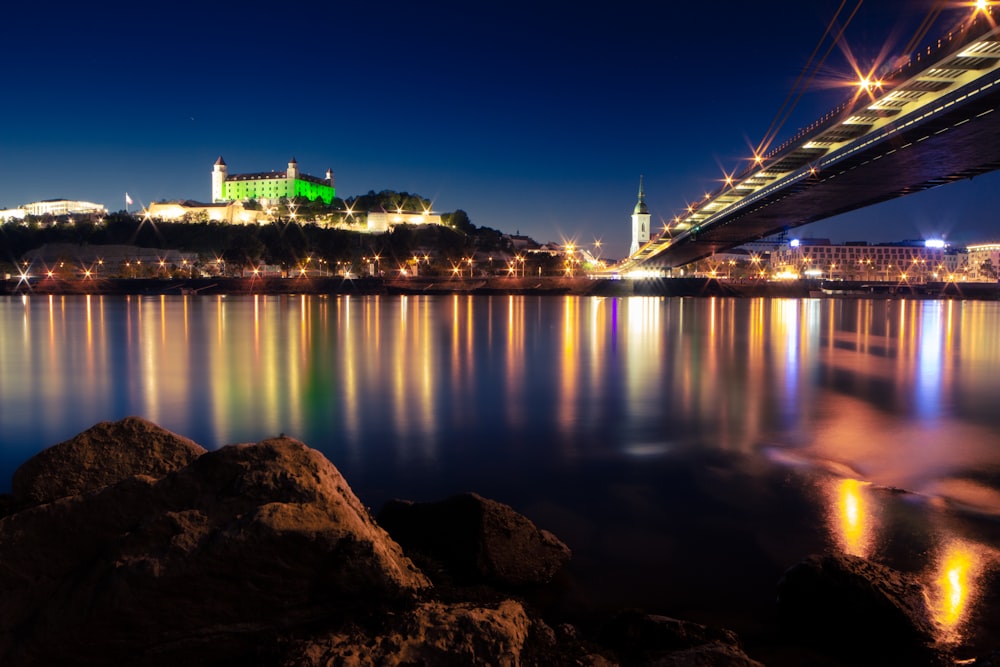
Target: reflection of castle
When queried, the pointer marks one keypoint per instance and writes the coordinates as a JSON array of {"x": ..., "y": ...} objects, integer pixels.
[{"x": 267, "y": 187}]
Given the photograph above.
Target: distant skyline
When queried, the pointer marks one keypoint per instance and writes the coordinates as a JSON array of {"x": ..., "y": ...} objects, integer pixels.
[{"x": 532, "y": 117}]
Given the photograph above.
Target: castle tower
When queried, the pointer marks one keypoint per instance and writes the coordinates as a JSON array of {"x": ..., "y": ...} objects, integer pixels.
[
  {"x": 218, "y": 179},
  {"x": 640, "y": 222},
  {"x": 293, "y": 169},
  {"x": 329, "y": 177}
]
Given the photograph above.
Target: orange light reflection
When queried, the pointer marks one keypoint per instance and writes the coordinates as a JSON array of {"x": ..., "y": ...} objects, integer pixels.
[
  {"x": 956, "y": 587},
  {"x": 852, "y": 519}
]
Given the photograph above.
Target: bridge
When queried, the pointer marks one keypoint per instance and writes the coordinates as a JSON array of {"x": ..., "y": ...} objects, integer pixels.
[{"x": 931, "y": 121}]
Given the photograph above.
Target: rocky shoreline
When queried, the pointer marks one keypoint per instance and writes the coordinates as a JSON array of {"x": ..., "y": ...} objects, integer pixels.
[{"x": 129, "y": 544}]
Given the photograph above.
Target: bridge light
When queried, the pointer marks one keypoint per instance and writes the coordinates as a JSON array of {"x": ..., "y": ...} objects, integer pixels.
[{"x": 982, "y": 5}]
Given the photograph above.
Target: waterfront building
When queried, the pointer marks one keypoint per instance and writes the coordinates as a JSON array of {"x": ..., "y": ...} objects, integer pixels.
[
  {"x": 269, "y": 187},
  {"x": 918, "y": 261},
  {"x": 640, "y": 222},
  {"x": 984, "y": 261},
  {"x": 65, "y": 259}
]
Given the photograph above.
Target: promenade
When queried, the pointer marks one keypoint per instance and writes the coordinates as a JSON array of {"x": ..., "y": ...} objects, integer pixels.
[{"x": 504, "y": 285}]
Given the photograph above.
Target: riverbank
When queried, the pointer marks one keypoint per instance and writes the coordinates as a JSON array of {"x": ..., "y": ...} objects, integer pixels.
[
  {"x": 504, "y": 285},
  {"x": 129, "y": 543}
]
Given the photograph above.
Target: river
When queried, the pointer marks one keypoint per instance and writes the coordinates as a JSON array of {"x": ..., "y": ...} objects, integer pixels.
[{"x": 687, "y": 449}]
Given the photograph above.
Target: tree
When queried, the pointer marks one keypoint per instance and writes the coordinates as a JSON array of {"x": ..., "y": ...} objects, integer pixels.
[
  {"x": 460, "y": 221},
  {"x": 244, "y": 250}
]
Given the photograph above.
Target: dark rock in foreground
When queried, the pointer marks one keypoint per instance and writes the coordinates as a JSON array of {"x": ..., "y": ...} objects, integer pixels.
[
  {"x": 244, "y": 542},
  {"x": 858, "y": 609},
  {"x": 103, "y": 454},
  {"x": 646, "y": 639},
  {"x": 432, "y": 633},
  {"x": 477, "y": 540},
  {"x": 129, "y": 545}
]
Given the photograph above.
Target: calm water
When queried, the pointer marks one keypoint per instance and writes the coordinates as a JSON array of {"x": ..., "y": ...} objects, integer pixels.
[{"x": 688, "y": 450}]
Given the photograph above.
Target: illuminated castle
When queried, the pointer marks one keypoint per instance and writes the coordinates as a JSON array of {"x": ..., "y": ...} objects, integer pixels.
[{"x": 269, "y": 187}]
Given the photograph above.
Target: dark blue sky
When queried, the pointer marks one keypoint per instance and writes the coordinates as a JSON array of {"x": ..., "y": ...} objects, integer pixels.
[{"x": 532, "y": 117}]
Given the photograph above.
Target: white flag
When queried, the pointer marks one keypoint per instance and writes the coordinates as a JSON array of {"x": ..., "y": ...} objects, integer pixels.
[{"x": 128, "y": 200}]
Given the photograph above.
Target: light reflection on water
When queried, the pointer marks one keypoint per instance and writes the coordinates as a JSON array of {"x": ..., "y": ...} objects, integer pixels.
[
  {"x": 853, "y": 524},
  {"x": 431, "y": 395},
  {"x": 957, "y": 577}
]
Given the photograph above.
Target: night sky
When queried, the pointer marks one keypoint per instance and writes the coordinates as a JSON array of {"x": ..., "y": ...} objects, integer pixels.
[{"x": 532, "y": 117}]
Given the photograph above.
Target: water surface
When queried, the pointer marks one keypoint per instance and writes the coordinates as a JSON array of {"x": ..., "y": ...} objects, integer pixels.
[{"x": 688, "y": 450}]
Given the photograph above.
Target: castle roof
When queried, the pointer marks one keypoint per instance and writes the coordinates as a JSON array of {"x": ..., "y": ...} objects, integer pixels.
[
  {"x": 220, "y": 162},
  {"x": 269, "y": 175}
]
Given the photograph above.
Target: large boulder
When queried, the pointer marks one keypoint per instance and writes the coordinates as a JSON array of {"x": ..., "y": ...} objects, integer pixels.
[
  {"x": 208, "y": 563},
  {"x": 476, "y": 540},
  {"x": 650, "y": 639},
  {"x": 433, "y": 633},
  {"x": 102, "y": 455},
  {"x": 857, "y": 608}
]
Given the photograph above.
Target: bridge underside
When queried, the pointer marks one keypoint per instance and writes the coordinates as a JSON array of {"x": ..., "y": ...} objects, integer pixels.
[{"x": 948, "y": 147}]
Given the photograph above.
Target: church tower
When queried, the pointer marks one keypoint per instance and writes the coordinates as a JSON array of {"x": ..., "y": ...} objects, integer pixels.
[
  {"x": 640, "y": 222},
  {"x": 218, "y": 179}
]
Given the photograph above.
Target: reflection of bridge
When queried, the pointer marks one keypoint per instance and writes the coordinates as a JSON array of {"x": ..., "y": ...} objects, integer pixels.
[{"x": 928, "y": 123}]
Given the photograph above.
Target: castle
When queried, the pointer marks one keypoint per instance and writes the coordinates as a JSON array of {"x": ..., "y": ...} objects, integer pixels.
[{"x": 268, "y": 187}]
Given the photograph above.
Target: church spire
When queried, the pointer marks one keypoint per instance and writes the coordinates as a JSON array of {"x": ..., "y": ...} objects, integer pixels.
[
  {"x": 640, "y": 221},
  {"x": 640, "y": 206}
]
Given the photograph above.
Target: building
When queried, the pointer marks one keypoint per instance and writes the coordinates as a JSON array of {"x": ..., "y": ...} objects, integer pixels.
[
  {"x": 54, "y": 208},
  {"x": 269, "y": 187},
  {"x": 918, "y": 261},
  {"x": 382, "y": 221},
  {"x": 98, "y": 260},
  {"x": 640, "y": 222},
  {"x": 9, "y": 214},
  {"x": 192, "y": 211},
  {"x": 984, "y": 261}
]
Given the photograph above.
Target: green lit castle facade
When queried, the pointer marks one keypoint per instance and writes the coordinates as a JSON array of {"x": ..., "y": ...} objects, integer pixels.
[{"x": 270, "y": 186}]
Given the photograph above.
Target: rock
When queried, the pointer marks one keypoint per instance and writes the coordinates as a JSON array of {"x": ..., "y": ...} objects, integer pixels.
[
  {"x": 209, "y": 563},
  {"x": 707, "y": 655},
  {"x": 433, "y": 633},
  {"x": 102, "y": 455},
  {"x": 477, "y": 540},
  {"x": 8, "y": 505},
  {"x": 648, "y": 639},
  {"x": 857, "y": 608}
]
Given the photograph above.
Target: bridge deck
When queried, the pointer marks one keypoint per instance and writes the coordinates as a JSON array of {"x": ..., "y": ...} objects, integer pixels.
[{"x": 933, "y": 123}]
